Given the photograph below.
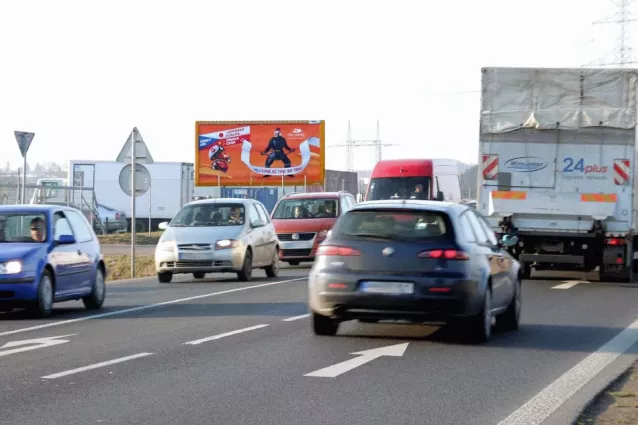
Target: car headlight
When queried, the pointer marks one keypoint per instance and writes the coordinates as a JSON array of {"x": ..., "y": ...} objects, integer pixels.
[
  {"x": 226, "y": 244},
  {"x": 11, "y": 267},
  {"x": 168, "y": 246}
]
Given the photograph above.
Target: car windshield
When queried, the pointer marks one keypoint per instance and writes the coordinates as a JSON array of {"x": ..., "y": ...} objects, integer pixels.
[
  {"x": 399, "y": 188},
  {"x": 22, "y": 227},
  {"x": 210, "y": 214},
  {"x": 306, "y": 208},
  {"x": 392, "y": 224}
]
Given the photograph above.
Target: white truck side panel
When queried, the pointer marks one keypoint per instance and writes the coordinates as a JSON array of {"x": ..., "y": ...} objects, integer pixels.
[
  {"x": 167, "y": 193},
  {"x": 446, "y": 173}
]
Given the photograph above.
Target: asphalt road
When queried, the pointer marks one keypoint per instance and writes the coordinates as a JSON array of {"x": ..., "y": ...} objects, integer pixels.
[{"x": 251, "y": 347}]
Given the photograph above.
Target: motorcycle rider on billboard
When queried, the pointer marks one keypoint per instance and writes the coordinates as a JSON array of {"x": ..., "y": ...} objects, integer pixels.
[
  {"x": 219, "y": 158},
  {"x": 277, "y": 144}
]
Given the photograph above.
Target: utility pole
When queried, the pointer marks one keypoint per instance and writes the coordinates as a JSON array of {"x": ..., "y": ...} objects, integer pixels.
[
  {"x": 351, "y": 144},
  {"x": 623, "y": 53}
]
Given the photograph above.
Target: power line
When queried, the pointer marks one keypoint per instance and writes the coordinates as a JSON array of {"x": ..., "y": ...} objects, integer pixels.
[
  {"x": 623, "y": 53},
  {"x": 350, "y": 145}
]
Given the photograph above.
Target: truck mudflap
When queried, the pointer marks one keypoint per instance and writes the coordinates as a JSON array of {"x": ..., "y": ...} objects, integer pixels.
[{"x": 618, "y": 260}]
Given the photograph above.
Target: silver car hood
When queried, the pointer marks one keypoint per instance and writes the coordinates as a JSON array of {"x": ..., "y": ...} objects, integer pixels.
[{"x": 201, "y": 234}]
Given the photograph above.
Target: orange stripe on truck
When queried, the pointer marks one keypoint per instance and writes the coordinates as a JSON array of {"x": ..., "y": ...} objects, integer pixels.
[
  {"x": 598, "y": 197},
  {"x": 508, "y": 194}
]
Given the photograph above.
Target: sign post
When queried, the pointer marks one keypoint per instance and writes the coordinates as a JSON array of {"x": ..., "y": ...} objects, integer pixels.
[
  {"x": 24, "y": 140},
  {"x": 136, "y": 152}
]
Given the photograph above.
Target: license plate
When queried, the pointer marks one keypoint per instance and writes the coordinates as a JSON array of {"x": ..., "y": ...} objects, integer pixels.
[
  {"x": 194, "y": 256},
  {"x": 394, "y": 288},
  {"x": 296, "y": 245}
]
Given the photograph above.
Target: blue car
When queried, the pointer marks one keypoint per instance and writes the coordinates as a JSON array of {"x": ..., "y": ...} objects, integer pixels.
[{"x": 48, "y": 254}]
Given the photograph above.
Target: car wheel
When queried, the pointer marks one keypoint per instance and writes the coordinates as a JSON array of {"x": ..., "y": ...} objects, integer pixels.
[
  {"x": 165, "y": 277},
  {"x": 44, "y": 304},
  {"x": 510, "y": 319},
  {"x": 98, "y": 292},
  {"x": 246, "y": 272},
  {"x": 323, "y": 325},
  {"x": 480, "y": 326},
  {"x": 199, "y": 275},
  {"x": 273, "y": 269}
]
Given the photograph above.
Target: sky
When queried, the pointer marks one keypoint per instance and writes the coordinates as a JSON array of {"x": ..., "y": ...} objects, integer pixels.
[{"x": 82, "y": 74}]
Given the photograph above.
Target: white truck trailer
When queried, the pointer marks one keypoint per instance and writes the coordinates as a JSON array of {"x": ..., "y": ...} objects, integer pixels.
[
  {"x": 163, "y": 187},
  {"x": 556, "y": 166}
]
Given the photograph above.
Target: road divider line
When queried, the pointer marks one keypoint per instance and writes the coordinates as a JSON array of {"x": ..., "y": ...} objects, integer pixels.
[
  {"x": 220, "y": 336},
  {"x": 292, "y": 319},
  {"x": 546, "y": 402},
  {"x": 147, "y": 307},
  {"x": 567, "y": 285},
  {"x": 96, "y": 366}
]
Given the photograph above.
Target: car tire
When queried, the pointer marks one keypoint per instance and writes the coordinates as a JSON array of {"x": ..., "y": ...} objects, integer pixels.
[
  {"x": 480, "y": 326},
  {"x": 44, "y": 305},
  {"x": 273, "y": 269},
  {"x": 510, "y": 319},
  {"x": 294, "y": 262},
  {"x": 325, "y": 326},
  {"x": 164, "y": 277},
  {"x": 199, "y": 275},
  {"x": 98, "y": 292},
  {"x": 246, "y": 273}
]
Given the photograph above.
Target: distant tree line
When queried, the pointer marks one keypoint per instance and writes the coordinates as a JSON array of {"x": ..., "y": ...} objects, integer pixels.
[{"x": 46, "y": 169}]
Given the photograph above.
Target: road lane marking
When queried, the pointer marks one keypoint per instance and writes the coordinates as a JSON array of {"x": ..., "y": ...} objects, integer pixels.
[
  {"x": 219, "y": 336},
  {"x": 292, "y": 319},
  {"x": 568, "y": 284},
  {"x": 546, "y": 402},
  {"x": 96, "y": 366},
  {"x": 365, "y": 356},
  {"x": 33, "y": 344},
  {"x": 146, "y": 307}
]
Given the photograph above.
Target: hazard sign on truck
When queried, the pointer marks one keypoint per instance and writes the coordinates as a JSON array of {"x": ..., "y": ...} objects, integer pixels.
[{"x": 556, "y": 166}]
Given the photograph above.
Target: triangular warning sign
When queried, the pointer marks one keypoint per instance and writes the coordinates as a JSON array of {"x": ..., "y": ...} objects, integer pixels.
[{"x": 142, "y": 154}]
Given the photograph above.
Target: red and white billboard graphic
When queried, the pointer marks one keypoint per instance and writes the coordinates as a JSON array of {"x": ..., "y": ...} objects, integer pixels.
[
  {"x": 622, "y": 171},
  {"x": 490, "y": 167}
]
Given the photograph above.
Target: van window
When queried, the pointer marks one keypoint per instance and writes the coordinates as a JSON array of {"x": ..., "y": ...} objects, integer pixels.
[
  {"x": 450, "y": 186},
  {"x": 399, "y": 188}
]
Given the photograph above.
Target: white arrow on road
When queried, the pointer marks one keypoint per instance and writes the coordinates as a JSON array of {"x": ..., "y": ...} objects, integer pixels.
[
  {"x": 33, "y": 344},
  {"x": 364, "y": 357}
]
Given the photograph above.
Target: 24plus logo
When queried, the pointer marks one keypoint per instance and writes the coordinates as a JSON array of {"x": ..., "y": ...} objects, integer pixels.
[{"x": 578, "y": 165}]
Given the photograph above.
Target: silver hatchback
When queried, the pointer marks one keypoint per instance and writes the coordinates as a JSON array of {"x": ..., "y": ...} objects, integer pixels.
[{"x": 224, "y": 235}]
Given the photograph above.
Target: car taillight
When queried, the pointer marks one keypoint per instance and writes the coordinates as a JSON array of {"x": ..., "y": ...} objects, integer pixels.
[
  {"x": 337, "y": 251},
  {"x": 117, "y": 216},
  {"x": 615, "y": 241},
  {"x": 446, "y": 254}
]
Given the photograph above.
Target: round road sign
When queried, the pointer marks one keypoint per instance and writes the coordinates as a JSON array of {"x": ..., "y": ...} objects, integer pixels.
[{"x": 142, "y": 179}]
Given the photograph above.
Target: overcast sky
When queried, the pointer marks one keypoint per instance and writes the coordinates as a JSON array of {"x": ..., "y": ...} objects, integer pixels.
[{"x": 82, "y": 74}]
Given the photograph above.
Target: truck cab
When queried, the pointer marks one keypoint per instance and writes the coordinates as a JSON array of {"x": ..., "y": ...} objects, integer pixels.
[{"x": 415, "y": 179}]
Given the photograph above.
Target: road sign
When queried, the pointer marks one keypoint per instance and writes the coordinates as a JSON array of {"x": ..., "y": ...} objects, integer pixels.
[
  {"x": 142, "y": 154},
  {"x": 365, "y": 356},
  {"x": 24, "y": 141},
  {"x": 32, "y": 344},
  {"x": 142, "y": 179}
]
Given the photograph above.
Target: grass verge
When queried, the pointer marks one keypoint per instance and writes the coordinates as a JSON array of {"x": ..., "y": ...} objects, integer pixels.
[
  {"x": 617, "y": 404},
  {"x": 119, "y": 266},
  {"x": 143, "y": 238}
]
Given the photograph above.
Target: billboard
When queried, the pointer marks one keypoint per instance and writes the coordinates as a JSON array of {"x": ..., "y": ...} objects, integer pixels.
[{"x": 259, "y": 153}]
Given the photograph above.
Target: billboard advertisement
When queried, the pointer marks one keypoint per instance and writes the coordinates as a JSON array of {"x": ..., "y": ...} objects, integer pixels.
[{"x": 259, "y": 153}]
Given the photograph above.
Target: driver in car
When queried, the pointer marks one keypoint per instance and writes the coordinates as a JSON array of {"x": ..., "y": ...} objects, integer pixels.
[
  {"x": 37, "y": 229},
  {"x": 235, "y": 216}
]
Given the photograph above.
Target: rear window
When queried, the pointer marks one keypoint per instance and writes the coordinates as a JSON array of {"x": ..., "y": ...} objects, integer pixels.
[{"x": 393, "y": 224}]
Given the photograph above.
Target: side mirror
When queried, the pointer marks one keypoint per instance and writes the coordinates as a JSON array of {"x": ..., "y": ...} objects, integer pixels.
[
  {"x": 439, "y": 196},
  {"x": 163, "y": 225},
  {"x": 257, "y": 223},
  {"x": 509, "y": 240},
  {"x": 65, "y": 240}
]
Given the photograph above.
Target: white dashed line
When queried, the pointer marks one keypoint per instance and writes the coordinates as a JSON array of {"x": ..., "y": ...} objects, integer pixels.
[
  {"x": 539, "y": 408},
  {"x": 96, "y": 366},
  {"x": 146, "y": 307},
  {"x": 292, "y": 319},
  {"x": 219, "y": 336}
]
